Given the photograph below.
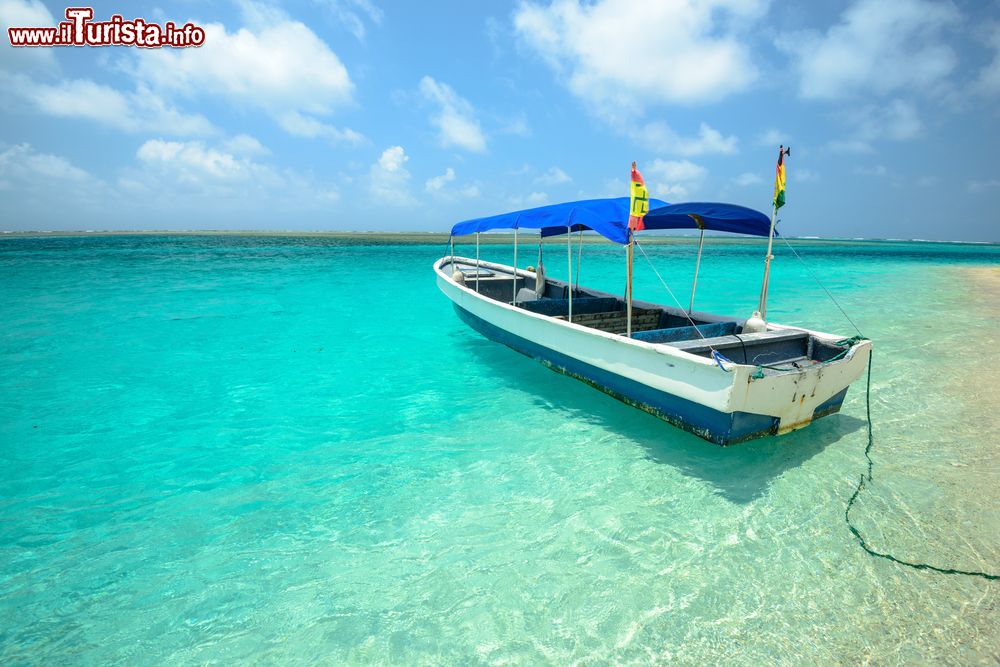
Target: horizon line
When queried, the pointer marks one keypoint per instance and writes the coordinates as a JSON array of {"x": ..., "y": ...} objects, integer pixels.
[{"x": 358, "y": 233}]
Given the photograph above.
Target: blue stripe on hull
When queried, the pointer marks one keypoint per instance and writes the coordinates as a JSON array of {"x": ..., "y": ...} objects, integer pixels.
[
  {"x": 719, "y": 427},
  {"x": 831, "y": 405}
]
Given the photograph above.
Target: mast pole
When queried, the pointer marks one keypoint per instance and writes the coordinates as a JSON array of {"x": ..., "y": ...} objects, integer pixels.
[
  {"x": 628, "y": 288},
  {"x": 762, "y": 307},
  {"x": 569, "y": 268},
  {"x": 477, "y": 262},
  {"x": 758, "y": 321},
  {"x": 697, "y": 265}
]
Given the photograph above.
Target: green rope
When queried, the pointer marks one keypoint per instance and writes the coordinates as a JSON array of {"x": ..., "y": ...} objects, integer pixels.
[
  {"x": 846, "y": 343},
  {"x": 849, "y": 343},
  {"x": 868, "y": 477}
]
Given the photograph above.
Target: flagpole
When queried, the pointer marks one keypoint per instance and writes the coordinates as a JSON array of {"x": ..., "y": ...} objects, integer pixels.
[
  {"x": 758, "y": 321},
  {"x": 762, "y": 307},
  {"x": 637, "y": 206},
  {"x": 697, "y": 265}
]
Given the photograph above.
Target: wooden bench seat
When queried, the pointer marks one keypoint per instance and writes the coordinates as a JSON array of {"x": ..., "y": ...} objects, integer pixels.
[{"x": 615, "y": 322}]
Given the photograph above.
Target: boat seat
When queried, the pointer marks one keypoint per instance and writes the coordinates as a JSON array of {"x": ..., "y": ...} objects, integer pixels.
[
  {"x": 768, "y": 347},
  {"x": 615, "y": 321},
  {"x": 675, "y": 334},
  {"x": 581, "y": 306}
]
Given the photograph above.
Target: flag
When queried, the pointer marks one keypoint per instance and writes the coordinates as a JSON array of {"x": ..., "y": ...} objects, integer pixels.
[
  {"x": 638, "y": 202},
  {"x": 779, "y": 177}
]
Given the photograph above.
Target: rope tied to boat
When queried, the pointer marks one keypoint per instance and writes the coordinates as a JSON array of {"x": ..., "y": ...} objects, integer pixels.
[
  {"x": 719, "y": 358},
  {"x": 716, "y": 356},
  {"x": 846, "y": 343},
  {"x": 868, "y": 476}
]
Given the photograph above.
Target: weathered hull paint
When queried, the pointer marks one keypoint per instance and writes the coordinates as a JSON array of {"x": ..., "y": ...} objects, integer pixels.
[{"x": 712, "y": 425}]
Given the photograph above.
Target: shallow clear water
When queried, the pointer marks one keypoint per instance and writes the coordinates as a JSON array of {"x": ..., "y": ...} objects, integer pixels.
[{"x": 288, "y": 449}]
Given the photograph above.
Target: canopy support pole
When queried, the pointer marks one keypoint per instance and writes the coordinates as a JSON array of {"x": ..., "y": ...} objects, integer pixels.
[
  {"x": 569, "y": 268},
  {"x": 762, "y": 308},
  {"x": 514, "y": 299},
  {"x": 628, "y": 288},
  {"x": 697, "y": 265},
  {"x": 579, "y": 257},
  {"x": 477, "y": 262}
]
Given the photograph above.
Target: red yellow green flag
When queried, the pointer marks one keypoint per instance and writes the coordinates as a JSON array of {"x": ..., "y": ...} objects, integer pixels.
[
  {"x": 779, "y": 178},
  {"x": 639, "y": 201}
]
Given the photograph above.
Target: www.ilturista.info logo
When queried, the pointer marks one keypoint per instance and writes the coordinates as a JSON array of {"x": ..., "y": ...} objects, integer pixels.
[{"x": 80, "y": 30}]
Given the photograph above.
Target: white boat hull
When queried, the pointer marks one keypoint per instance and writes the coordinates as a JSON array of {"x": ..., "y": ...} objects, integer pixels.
[{"x": 723, "y": 405}]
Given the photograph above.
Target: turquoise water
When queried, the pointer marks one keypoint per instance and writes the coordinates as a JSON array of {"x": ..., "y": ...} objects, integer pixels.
[{"x": 289, "y": 450}]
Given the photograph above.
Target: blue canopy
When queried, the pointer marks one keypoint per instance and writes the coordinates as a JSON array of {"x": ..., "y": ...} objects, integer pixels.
[
  {"x": 707, "y": 215},
  {"x": 607, "y": 217}
]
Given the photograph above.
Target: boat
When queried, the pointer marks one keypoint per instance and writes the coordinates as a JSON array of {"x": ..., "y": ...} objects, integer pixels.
[{"x": 725, "y": 379}]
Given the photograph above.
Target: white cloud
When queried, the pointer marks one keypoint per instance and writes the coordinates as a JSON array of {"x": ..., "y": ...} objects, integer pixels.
[
  {"x": 306, "y": 126},
  {"x": 455, "y": 118},
  {"x": 614, "y": 187},
  {"x": 196, "y": 176},
  {"x": 618, "y": 54},
  {"x": 244, "y": 144},
  {"x": 283, "y": 67},
  {"x": 170, "y": 184},
  {"x": 658, "y": 136},
  {"x": 673, "y": 178},
  {"x": 871, "y": 170},
  {"x": 803, "y": 175},
  {"x": 25, "y": 14},
  {"x": 517, "y": 126},
  {"x": 773, "y": 138},
  {"x": 139, "y": 111},
  {"x": 849, "y": 146},
  {"x": 441, "y": 187},
  {"x": 977, "y": 187},
  {"x": 988, "y": 80},
  {"x": 436, "y": 183},
  {"x": 277, "y": 65},
  {"x": 28, "y": 179},
  {"x": 352, "y": 13},
  {"x": 877, "y": 47},
  {"x": 747, "y": 179},
  {"x": 393, "y": 159},
  {"x": 529, "y": 201},
  {"x": 192, "y": 162},
  {"x": 554, "y": 176},
  {"x": 897, "y": 120},
  {"x": 389, "y": 180},
  {"x": 23, "y": 162}
]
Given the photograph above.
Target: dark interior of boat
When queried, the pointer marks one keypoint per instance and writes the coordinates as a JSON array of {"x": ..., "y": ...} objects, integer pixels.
[{"x": 696, "y": 333}]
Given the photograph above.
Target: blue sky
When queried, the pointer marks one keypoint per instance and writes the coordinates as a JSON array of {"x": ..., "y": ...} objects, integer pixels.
[{"x": 370, "y": 115}]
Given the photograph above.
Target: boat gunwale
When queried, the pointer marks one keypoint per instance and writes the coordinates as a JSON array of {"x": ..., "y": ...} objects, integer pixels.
[{"x": 659, "y": 348}]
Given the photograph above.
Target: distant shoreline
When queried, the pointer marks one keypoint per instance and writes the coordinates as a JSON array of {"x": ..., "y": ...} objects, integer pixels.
[{"x": 422, "y": 238}]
